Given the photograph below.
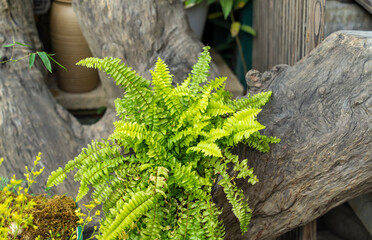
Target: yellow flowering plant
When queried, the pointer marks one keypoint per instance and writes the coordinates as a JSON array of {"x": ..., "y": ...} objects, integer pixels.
[
  {"x": 85, "y": 219},
  {"x": 15, "y": 204}
]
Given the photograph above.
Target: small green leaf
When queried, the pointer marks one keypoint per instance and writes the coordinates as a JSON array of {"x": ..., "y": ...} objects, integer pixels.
[
  {"x": 234, "y": 29},
  {"x": 215, "y": 15},
  {"x": 24, "y": 45},
  {"x": 248, "y": 29},
  {"x": 79, "y": 234},
  {"x": 144, "y": 166},
  {"x": 46, "y": 62},
  {"x": 240, "y": 4},
  {"x": 101, "y": 110},
  {"x": 32, "y": 60},
  {"x": 50, "y": 57},
  {"x": 226, "y": 7},
  {"x": 8, "y": 45}
]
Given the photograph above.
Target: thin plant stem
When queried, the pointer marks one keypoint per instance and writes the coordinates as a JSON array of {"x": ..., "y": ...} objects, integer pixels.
[{"x": 240, "y": 49}]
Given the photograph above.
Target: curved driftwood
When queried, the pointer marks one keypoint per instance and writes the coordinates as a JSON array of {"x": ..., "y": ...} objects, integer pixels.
[{"x": 322, "y": 110}]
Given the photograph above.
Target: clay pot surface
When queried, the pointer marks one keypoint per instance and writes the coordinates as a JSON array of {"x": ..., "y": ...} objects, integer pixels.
[{"x": 70, "y": 47}]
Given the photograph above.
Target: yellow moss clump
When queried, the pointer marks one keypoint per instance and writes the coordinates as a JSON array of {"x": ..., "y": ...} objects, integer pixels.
[{"x": 25, "y": 217}]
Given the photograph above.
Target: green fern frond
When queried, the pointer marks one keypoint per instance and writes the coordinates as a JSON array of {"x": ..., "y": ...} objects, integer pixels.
[
  {"x": 241, "y": 167},
  {"x": 193, "y": 184},
  {"x": 83, "y": 190},
  {"x": 256, "y": 101},
  {"x": 122, "y": 74},
  {"x": 216, "y": 133},
  {"x": 208, "y": 149},
  {"x": 138, "y": 93},
  {"x": 87, "y": 157},
  {"x": 200, "y": 71},
  {"x": 213, "y": 226},
  {"x": 244, "y": 129},
  {"x": 189, "y": 224},
  {"x": 125, "y": 130},
  {"x": 104, "y": 191},
  {"x": 56, "y": 177},
  {"x": 139, "y": 204},
  {"x": 216, "y": 108},
  {"x": 246, "y": 114},
  {"x": 237, "y": 199},
  {"x": 116, "y": 196},
  {"x": 154, "y": 223},
  {"x": 161, "y": 79},
  {"x": 261, "y": 142},
  {"x": 100, "y": 171},
  {"x": 215, "y": 84}
]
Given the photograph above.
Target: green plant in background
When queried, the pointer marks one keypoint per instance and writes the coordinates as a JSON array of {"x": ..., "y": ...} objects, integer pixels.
[
  {"x": 155, "y": 173},
  {"x": 45, "y": 57},
  {"x": 3, "y": 180},
  {"x": 228, "y": 7},
  {"x": 191, "y": 3}
]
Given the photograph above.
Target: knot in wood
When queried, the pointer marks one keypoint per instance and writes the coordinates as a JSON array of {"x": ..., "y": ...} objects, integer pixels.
[
  {"x": 322, "y": 91},
  {"x": 291, "y": 95},
  {"x": 367, "y": 66}
]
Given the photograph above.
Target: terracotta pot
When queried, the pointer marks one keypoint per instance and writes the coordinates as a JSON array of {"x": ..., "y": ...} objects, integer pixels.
[{"x": 70, "y": 46}]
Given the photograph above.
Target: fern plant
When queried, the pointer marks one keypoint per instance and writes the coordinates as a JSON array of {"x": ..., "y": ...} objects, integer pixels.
[{"x": 155, "y": 173}]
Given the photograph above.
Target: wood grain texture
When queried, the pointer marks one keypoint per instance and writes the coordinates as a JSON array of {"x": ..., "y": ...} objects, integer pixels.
[
  {"x": 321, "y": 108},
  {"x": 309, "y": 231},
  {"x": 30, "y": 119},
  {"x": 287, "y": 30},
  {"x": 367, "y": 4}
]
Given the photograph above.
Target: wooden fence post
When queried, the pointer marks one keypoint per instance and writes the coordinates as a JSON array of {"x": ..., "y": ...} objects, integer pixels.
[{"x": 287, "y": 30}]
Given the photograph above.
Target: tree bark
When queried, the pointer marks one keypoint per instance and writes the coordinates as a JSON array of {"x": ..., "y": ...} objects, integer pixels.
[
  {"x": 139, "y": 32},
  {"x": 321, "y": 108},
  {"x": 30, "y": 119}
]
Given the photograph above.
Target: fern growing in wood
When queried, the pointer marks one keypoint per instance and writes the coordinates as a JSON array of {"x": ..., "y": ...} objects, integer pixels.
[{"x": 155, "y": 173}]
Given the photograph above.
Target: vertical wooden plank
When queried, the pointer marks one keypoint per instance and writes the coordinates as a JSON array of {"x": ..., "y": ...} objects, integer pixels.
[
  {"x": 309, "y": 231},
  {"x": 315, "y": 25},
  {"x": 287, "y": 30}
]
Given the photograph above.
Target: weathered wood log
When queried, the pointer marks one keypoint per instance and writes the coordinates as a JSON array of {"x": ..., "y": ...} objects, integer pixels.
[
  {"x": 367, "y": 4},
  {"x": 321, "y": 108}
]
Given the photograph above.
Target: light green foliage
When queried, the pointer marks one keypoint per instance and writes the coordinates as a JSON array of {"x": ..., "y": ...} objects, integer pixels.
[{"x": 156, "y": 171}]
